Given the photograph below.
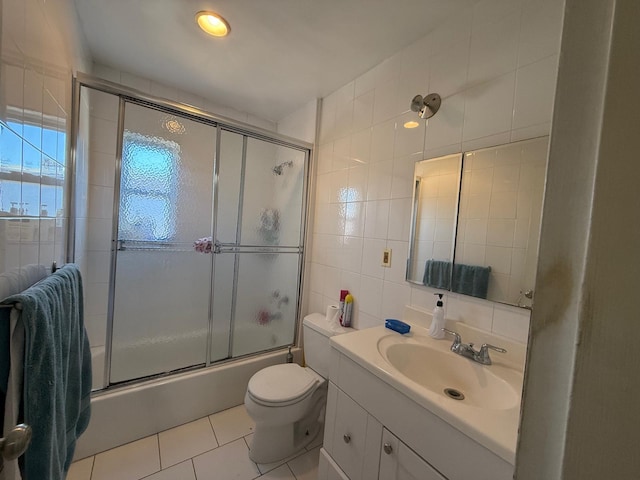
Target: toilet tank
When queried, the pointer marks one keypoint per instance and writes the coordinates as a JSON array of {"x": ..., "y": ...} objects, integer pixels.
[{"x": 316, "y": 332}]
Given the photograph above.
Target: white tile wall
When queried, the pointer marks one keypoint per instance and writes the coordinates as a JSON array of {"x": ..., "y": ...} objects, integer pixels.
[
  {"x": 100, "y": 176},
  {"x": 495, "y": 67},
  {"x": 38, "y": 58}
]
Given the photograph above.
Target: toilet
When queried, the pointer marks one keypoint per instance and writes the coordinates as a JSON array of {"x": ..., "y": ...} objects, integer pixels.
[{"x": 287, "y": 401}]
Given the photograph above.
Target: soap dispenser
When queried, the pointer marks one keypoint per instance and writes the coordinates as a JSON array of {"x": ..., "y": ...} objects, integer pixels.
[{"x": 437, "y": 322}]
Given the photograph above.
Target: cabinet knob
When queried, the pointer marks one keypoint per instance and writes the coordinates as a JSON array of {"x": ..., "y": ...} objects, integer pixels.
[
  {"x": 387, "y": 448},
  {"x": 346, "y": 437}
]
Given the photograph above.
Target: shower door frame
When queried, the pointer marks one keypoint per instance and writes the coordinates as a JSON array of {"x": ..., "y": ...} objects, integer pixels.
[{"x": 136, "y": 97}]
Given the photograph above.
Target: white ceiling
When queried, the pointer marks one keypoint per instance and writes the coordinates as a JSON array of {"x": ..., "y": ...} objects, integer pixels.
[{"x": 280, "y": 53}]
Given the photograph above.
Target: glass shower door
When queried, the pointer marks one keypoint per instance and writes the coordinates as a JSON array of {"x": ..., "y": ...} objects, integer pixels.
[
  {"x": 162, "y": 288},
  {"x": 264, "y": 239}
]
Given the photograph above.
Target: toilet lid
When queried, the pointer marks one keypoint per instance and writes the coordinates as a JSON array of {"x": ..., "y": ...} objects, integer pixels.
[{"x": 281, "y": 383}]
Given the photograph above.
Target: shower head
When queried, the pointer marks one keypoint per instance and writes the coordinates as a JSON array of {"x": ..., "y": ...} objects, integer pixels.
[
  {"x": 277, "y": 170},
  {"x": 426, "y": 106}
]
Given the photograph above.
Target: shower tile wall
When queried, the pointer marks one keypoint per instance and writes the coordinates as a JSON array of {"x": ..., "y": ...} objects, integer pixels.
[
  {"x": 97, "y": 207},
  {"x": 495, "y": 66},
  {"x": 35, "y": 108}
]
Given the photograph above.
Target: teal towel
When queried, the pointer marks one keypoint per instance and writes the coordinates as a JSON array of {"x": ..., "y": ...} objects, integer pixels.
[
  {"x": 11, "y": 282},
  {"x": 471, "y": 280},
  {"x": 5, "y": 360},
  {"x": 437, "y": 274},
  {"x": 57, "y": 372},
  {"x": 467, "y": 279}
]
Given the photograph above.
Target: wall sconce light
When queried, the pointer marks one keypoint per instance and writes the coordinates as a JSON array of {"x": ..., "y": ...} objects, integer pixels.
[{"x": 426, "y": 106}]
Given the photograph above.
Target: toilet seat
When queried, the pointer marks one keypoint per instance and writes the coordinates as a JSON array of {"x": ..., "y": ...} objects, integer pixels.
[{"x": 282, "y": 385}]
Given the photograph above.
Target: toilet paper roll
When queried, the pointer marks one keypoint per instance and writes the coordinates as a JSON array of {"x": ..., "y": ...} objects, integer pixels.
[{"x": 333, "y": 315}]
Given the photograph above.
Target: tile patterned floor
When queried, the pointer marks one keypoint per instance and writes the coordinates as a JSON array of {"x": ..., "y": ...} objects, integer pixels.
[{"x": 211, "y": 448}]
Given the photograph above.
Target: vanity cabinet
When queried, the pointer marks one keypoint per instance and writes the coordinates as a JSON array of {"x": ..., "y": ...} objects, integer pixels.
[
  {"x": 357, "y": 446},
  {"x": 373, "y": 431}
]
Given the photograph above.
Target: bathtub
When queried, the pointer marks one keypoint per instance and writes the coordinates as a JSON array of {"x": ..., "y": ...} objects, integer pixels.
[
  {"x": 97, "y": 361},
  {"x": 128, "y": 413}
]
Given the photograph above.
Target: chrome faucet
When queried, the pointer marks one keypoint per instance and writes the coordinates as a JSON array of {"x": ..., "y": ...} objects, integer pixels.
[{"x": 467, "y": 350}]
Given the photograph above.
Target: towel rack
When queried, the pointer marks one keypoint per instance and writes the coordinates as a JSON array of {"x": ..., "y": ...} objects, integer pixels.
[{"x": 151, "y": 246}]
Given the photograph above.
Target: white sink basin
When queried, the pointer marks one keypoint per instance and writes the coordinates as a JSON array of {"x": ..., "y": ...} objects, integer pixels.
[{"x": 466, "y": 382}]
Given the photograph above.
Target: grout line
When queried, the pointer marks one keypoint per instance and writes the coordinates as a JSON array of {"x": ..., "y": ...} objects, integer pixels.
[
  {"x": 291, "y": 470},
  {"x": 213, "y": 430},
  {"x": 93, "y": 463},
  {"x": 159, "y": 452},
  {"x": 244, "y": 437},
  {"x": 193, "y": 467}
]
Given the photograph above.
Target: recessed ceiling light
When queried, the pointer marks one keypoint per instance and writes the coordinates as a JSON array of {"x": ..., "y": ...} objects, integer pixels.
[
  {"x": 213, "y": 23},
  {"x": 411, "y": 124}
]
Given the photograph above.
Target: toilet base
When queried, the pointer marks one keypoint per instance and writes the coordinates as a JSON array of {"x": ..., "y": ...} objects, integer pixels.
[
  {"x": 282, "y": 430},
  {"x": 272, "y": 444}
]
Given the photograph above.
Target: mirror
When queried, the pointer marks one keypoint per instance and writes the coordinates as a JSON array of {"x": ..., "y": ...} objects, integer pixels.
[
  {"x": 476, "y": 221},
  {"x": 435, "y": 209}
]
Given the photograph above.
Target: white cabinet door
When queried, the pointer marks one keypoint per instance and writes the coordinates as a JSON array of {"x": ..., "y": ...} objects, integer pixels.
[
  {"x": 399, "y": 462},
  {"x": 328, "y": 469},
  {"x": 349, "y": 436}
]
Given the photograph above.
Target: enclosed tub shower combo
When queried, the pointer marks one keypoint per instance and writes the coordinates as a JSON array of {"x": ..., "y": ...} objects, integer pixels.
[{"x": 206, "y": 222}]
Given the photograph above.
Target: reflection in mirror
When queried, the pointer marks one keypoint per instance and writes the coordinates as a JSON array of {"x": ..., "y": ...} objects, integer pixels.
[
  {"x": 497, "y": 228},
  {"x": 437, "y": 183}
]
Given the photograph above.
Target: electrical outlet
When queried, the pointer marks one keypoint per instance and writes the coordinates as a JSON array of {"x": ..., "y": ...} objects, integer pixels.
[{"x": 386, "y": 257}]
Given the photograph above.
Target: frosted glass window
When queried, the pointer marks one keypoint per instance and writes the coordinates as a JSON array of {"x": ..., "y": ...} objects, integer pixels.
[{"x": 149, "y": 183}]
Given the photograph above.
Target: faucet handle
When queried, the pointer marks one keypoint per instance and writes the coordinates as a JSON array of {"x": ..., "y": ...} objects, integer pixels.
[
  {"x": 457, "y": 339},
  {"x": 486, "y": 346},
  {"x": 483, "y": 354}
]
